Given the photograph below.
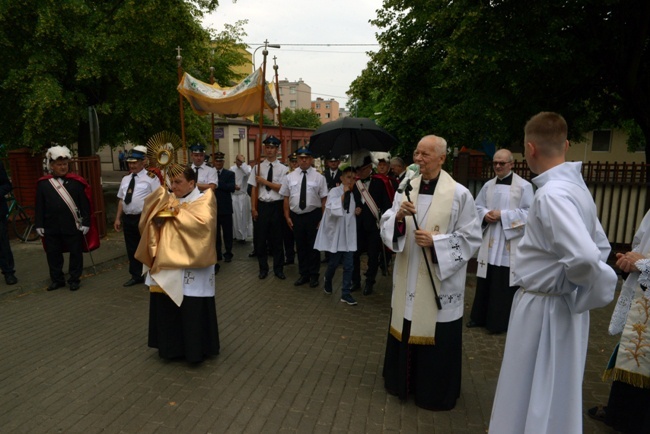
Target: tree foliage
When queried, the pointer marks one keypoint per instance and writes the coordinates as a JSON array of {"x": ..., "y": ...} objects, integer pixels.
[
  {"x": 474, "y": 71},
  {"x": 119, "y": 56},
  {"x": 301, "y": 118}
]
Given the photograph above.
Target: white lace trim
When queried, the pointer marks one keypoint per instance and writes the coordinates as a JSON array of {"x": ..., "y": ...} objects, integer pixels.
[
  {"x": 643, "y": 265},
  {"x": 623, "y": 304}
]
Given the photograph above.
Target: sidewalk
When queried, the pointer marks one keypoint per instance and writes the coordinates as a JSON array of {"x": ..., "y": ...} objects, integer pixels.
[{"x": 292, "y": 359}]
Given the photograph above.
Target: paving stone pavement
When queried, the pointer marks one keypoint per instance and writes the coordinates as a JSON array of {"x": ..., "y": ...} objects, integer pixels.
[{"x": 292, "y": 359}]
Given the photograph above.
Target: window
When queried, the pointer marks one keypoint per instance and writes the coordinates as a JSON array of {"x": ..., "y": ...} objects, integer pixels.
[
  {"x": 317, "y": 105},
  {"x": 318, "y": 114},
  {"x": 327, "y": 106},
  {"x": 602, "y": 141},
  {"x": 292, "y": 104},
  {"x": 328, "y": 115},
  {"x": 292, "y": 90}
]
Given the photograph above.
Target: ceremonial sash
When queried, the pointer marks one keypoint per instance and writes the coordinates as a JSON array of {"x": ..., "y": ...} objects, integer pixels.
[
  {"x": 92, "y": 241},
  {"x": 425, "y": 310},
  {"x": 374, "y": 209}
]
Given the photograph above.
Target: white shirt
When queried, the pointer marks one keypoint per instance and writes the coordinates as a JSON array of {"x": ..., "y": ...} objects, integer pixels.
[
  {"x": 316, "y": 190},
  {"x": 279, "y": 173},
  {"x": 206, "y": 174},
  {"x": 145, "y": 183}
]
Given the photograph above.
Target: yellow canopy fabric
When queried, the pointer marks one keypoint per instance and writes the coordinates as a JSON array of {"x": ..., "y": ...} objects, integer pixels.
[{"x": 241, "y": 100}]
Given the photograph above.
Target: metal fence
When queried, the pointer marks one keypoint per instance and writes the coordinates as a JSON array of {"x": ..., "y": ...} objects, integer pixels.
[{"x": 619, "y": 191}]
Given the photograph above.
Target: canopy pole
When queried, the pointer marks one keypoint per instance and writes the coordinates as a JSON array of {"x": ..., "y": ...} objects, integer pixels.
[
  {"x": 212, "y": 114},
  {"x": 179, "y": 59},
  {"x": 277, "y": 95},
  {"x": 258, "y": 144}
]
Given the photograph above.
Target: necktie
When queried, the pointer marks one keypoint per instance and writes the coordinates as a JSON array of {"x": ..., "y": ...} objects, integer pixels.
[
  {"x": 346, "y": 201},
  {"x": 269, "y": 176},
  {"x": 303, "y": 191},
  {"x": 129, "y": 191},
  {"x": 196, "y": 169}
]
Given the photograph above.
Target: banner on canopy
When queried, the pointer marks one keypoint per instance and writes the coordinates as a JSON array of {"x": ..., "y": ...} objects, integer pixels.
[{"x": 241, "y": 100}]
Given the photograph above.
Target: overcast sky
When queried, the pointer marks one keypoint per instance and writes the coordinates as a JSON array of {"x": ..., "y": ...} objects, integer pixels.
[{"x": 328, "y": 70}]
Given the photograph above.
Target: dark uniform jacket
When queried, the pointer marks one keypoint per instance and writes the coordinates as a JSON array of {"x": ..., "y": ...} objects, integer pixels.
[
  {"x": 366, "y": 221},
  {"x": 332, "y": 181},
  {"x": 52, "y": 213},
  {"x": 224, "y": 191}
]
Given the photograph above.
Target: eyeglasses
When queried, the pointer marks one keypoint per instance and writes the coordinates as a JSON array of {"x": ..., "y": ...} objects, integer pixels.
[{"x": 500, "y": 163}]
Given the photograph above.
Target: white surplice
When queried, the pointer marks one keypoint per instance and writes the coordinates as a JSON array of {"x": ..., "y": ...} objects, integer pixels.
[
  {"x": 242, "y": 221},
  {"x": 500, "y": 239},
  {"x": 338, "y": 228},
  {"x": 453, "y": 249},
  {"x": 560, "y": 266}
]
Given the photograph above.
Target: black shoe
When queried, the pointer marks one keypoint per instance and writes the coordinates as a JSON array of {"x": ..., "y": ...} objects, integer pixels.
[
  {"x": 252, "y": 254},
  {"x": 227, "y": 258},
  {"x": 241, "y": 241},
  {"x": 74, "y": 286},
  {"x": 55, "y": 285},
  {"x": 367, "y": 290},
  {"x": 263, "y": 274},
  {"x": 301, "y": 280},
  {"x": 280, "y": 275},
  {"x": 355, "y": 287},
  {"x": 217, "y": 267},
  {"x": 10, "y": 279},
  {"x": 313, "y": 282},
  {"x": 132, "y": 282},
  {"x": 472, "y": 324}
]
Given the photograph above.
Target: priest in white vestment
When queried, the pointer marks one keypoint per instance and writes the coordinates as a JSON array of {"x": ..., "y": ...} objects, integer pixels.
[
  {"x": 502, "y": 206},
  {"x": 423, "y": 350},
  {"x": 242, "y": 222},
  {"x": 562, "y": 273}
]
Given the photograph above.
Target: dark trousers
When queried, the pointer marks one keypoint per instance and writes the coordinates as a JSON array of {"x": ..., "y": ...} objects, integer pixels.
[
  {"x": 55, "y": 246},
  {"x": 224, "y": 223},
  {"x": 6, "y": 256},
  {"x": 132, "y": 239},
  {"x": 305, "y": 228},
  {"x": 493, "y": 299},
  {"x": 289, "y": 241},
  {"x": 370, "y": 242},
  {"x": 268, "y": 232}
]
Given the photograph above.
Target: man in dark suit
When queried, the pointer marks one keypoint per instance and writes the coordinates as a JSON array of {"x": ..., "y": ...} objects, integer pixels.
[
  {"x": 62, "y": 218},
  {"x": 224, "y": 190},
  {"x": 332, "y": 173},
  {"x": 372, "y": 199}
]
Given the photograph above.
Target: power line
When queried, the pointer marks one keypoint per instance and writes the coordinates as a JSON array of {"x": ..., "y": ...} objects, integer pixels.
[{"x": 318, "y": 45}]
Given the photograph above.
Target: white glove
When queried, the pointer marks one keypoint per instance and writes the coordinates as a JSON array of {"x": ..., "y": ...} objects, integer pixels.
[
  {"x": 40, "y": 232},
  {"x": 84, "y": 229}
]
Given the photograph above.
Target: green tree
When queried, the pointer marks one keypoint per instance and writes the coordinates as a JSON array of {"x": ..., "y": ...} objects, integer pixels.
[
  {"x": 301, "y": 118},
  {"x": 63, "y": 56},
  {"x": 472, "y": 70}
]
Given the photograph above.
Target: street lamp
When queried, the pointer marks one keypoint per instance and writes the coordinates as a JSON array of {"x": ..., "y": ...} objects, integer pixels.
[{"x": 267, "y": 45}]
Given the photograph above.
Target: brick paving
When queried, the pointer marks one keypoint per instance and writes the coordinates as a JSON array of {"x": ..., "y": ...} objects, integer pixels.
[{"x": 293, "y": 359}]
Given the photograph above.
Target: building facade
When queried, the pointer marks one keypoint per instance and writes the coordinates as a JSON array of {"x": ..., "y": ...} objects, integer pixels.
[
  {"x": 327, "y": 110},
  {"x": 294, "y": 94}
]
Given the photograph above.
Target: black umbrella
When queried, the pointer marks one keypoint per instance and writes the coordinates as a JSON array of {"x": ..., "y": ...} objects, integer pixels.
[{"x": 346, "y": 135}]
